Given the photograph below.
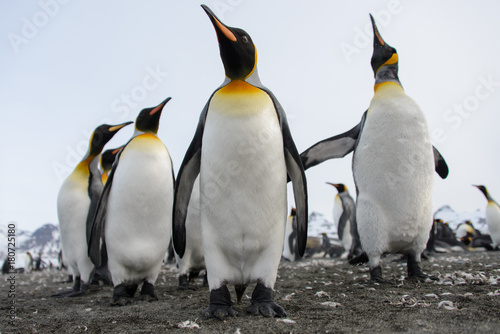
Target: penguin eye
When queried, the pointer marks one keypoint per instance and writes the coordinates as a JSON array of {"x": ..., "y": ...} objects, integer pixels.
[{"x": 244, "y": 39}]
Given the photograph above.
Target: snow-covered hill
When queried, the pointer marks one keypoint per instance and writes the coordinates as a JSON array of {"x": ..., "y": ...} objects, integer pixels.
[
  {"x": 44, "y": 240},
  {"x": 453, "y": 218}
]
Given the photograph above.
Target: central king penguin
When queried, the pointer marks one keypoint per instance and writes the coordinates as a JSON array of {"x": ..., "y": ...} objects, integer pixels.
[
  {"x": 492, "y": 217},
  {"x": 344, "y": 215},
  {"x": 134, "y": 214},
  {"x": 393, "y": 164},
  {"x": 75, "y": 207},
  {"x": 242, "y": 150}
]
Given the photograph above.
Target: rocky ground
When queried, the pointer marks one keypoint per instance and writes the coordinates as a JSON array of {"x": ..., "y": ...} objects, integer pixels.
[{"x": 320, "y": 296}]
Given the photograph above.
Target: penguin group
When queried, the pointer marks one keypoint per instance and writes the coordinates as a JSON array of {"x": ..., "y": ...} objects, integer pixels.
[{"x": 116, "y": 221}]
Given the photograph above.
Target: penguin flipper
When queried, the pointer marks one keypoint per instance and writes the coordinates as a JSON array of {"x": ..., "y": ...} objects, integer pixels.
[
  {"x": 296, "y": 173},
  {"x": 94, "y": 190},
  {"x": 94, "y": 243},
  {"x": 439, "y": 163},
  {"x": 186, "y": 177},
  {"x": 332, "y": 148}
]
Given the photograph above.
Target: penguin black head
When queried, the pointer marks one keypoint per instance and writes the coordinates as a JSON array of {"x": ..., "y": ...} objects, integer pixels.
[
  {"x": 340, "y": 187},
  {"x": 483, "y": 190},
  {"x": 237, "y": 50},
  {"x": 149, "y": 118},
  {"x": 102, "y": 134},
  {"x": 108, "y": 157},
  {"x": 383, "y": 53},
  {"x": 293, "y": 212}
]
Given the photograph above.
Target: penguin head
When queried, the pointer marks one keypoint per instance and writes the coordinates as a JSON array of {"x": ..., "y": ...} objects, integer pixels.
[
  {"x": 149, "y": 118},
  {"x": 293, "y": 212},
  {"x": 237, "y": 50},
  {"x": 101, "y": 135},
  {"x": 108, "y": 157},
  {"x": 339, "y": 186},
  {"x": 383, "y": 53},
  {"x": 483, "y": 190}
]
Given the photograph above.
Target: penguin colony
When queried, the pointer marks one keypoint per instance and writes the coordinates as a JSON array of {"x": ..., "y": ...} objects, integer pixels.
[{"x": 117, "y": 221}]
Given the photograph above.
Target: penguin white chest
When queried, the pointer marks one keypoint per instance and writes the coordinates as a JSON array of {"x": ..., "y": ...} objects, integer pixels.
[
  {"x": 242, "y": 182},
  {"x": 393, "y": 168},
  {"x": 138, "y": 221}
]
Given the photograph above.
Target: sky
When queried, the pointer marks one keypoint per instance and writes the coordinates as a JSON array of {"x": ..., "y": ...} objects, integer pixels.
[{"x": 68, "y": 66}]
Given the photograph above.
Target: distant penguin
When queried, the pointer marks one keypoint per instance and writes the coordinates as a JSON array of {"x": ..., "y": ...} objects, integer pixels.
[
  {"x": 344, "y": 215},
  {"x": 243, "y": 150},
  {"x": 492, "y": 217},
  {"x": 134, "y": 211},
  {"x": 392, "y": 167},
  {"x": 464, "y": 232},
  {"x": 290, "y": 252},
  {"x": 107, "y": 159},
  {"x": 78, "y": 193},
  {"x": 193, "y": 260}
]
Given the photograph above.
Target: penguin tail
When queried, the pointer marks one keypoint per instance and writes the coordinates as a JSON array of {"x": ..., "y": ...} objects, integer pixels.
[{"x": 359, "y": 260}]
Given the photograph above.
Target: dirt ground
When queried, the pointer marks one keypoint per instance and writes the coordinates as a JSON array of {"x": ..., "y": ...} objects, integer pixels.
[{"x": 319, "y": 295}]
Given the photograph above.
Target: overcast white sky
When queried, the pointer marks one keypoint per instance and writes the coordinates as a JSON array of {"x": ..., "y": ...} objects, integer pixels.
[{"x": 68, "y": 66}]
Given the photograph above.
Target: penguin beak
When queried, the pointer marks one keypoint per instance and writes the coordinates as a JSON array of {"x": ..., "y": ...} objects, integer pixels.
[
  {"x": 332, "y": 184},
  {"x": 220, "y": 28},
  {"x": 377, "y": 39},
  {"x": 115, "y": 152},
  {"x": 159, "y": 107},
  {"x": 119, "y": 126},
  {"x": 383, "y": 53}
]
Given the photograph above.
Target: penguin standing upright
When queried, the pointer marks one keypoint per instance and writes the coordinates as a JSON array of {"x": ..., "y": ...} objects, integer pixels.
[
  {"x": 492, "y": 217},
  {"x": 290, "y": 251},
  {"x": 344, "y": 215},
  {"x": 392, "y": 167},
  {"x": 243, "y": 150},
  {"x": 134, "y": 215},
  {"x": 75, "y": 207},
  {"x": 193, "y": 260}
]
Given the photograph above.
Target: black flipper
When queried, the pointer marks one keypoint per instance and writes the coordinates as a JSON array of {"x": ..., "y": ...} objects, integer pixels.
[
  {"x": 186, "y": 176},
  {"x": 94, "y": 190},
  {"x": 295, "y": 172},
  {"x": 439, "y": 164},
  {"x": 96, "y": 238},
  {"x": 332, "y": 148}
]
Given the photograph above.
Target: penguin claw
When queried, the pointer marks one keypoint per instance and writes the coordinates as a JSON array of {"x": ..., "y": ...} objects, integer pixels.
[
  {"x": 219, "y": 311},
  {"x": 421, "y": 277},
  {"x": 267, "y": 309}
]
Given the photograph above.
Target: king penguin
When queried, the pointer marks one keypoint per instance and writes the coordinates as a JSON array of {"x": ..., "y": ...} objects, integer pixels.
[
  {"x": 243, "y": 150},
  {"x": 75, "y": 208},
  {"x": 134, "y": 215},
  {"x": 392, "y": 167},
  {"x": 344, "y": 216},
  {"x": 492, "y": 217},
  {"x": 193, "y": 260}
]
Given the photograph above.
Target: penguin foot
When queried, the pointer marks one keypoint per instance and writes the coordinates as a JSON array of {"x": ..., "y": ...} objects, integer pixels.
[
  {"x": 148, "y": 292},
  {"x": 415, "y": 270},
  {"x": 220, "y": 304},
  {"x": 123, "y": 294},
  {"x": 263, "y": 303},
  {"x": 376, "y": 275},
  {"x": 76, "y": 288},
  {"x": 184, "y": 283}
]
